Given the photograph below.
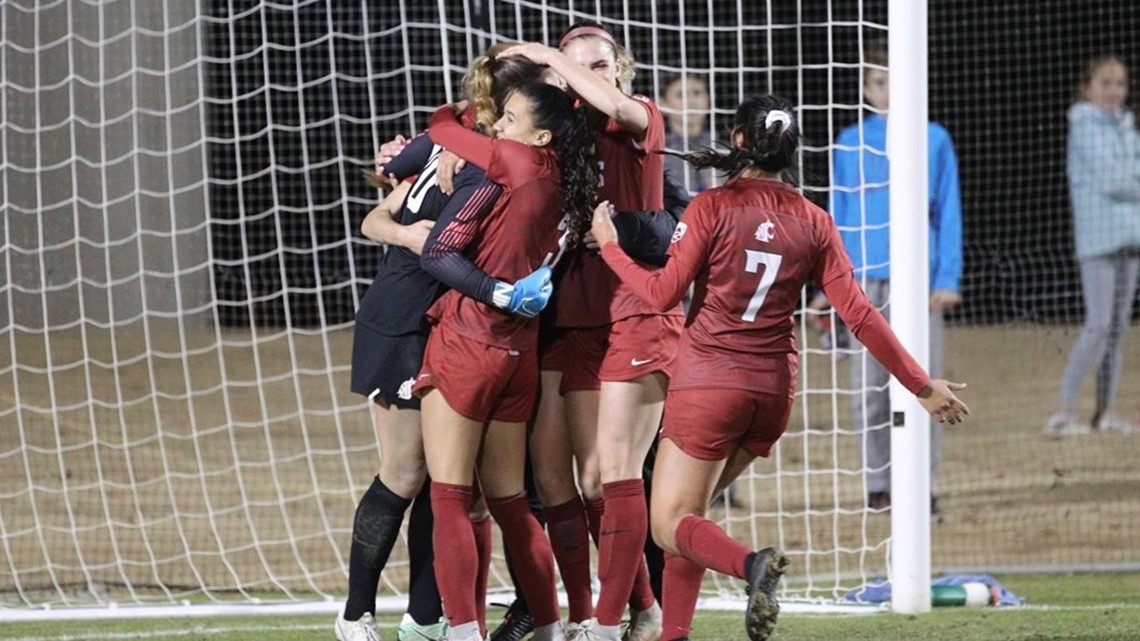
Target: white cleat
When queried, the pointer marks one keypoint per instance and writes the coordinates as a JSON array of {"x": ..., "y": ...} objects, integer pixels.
[
  {"x": 363, "y": 629},
  {"x": 645, "y": 625}
]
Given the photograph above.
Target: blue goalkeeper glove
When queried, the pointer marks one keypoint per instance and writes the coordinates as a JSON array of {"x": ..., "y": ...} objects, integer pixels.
[{"x": 527, "y": 297}]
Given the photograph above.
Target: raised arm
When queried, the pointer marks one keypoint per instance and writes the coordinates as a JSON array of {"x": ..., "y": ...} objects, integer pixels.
[{"x": 589, "y": 86}]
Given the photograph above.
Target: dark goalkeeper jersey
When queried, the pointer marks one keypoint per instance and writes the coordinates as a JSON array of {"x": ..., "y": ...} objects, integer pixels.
[{"x": 401, "y": 291}]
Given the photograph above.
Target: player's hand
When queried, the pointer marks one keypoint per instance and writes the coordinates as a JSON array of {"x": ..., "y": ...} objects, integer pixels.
[
  {"x": 944, "y": 300},
  {"x": 449, "y": 165},
  {"x": 533, "y": 51},
  {"x": 527, "y": 296},
  {"x": 415, "y": 235},
  {"x": 938, "y": 398},
  {"x": 460, "y": 106},
  {"x": 602, "y": 230},
  {"x": 388, "y": 151}
]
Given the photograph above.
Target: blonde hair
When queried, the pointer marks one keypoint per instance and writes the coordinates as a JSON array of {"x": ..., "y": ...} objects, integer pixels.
[
  {"x": 490, "y": 80},
  {"x": 626, "y": 65}
]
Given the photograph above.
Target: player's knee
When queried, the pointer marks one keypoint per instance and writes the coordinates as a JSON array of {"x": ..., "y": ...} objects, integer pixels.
[
  {"x": 405, "y": 478},
  {"x": 554, "y": 484},
  {"x": 663, "y": 532}
]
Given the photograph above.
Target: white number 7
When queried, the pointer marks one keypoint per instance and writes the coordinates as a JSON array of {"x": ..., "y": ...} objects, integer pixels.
[{"x": 771, "y": 263}]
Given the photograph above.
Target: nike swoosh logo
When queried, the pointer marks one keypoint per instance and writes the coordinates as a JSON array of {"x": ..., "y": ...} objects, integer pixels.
[{"x": 638, "y": 362}]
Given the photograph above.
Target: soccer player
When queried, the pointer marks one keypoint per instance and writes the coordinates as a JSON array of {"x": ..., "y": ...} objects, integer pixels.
[
  {"x": 749, "y": 246},
  {"x": 542, "y": 158},
  {"x": 388, "y": 345},
  {"x": 620, "y": 350}
]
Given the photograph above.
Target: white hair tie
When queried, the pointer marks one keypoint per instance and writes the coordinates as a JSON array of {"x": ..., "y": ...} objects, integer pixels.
[{"x": 780, "y": 116}]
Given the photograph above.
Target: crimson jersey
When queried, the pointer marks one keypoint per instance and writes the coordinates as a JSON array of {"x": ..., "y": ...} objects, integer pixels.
[
  {"x": 749, "y": 247},
  {"x": 633, "y": 177},
  {"x": 524, "y": 230}
]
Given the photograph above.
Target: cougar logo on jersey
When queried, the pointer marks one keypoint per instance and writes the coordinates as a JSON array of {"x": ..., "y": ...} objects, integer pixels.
[
  {"x": 679, "y": 232},
  {"x": 764, "y": 231},
  {"x": 405, "y": 391}
]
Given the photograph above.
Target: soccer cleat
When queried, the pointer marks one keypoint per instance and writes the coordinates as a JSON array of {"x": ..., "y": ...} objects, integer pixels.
[
  {"x": 583, "y": 631},
  {"x": 363, "y": 629},
  {"x": 644, "y": 625},
  {"x": 516, "y": 624},
  {"x": 409, "y": 630},
  {"x": 763, "y": 575},
  {"x": 1063, "y": 424}
]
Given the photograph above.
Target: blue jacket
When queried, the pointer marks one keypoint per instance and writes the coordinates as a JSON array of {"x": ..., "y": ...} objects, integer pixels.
[
  {"x": 861, "y": 176},
  {"x": 1104, "y": 180}
]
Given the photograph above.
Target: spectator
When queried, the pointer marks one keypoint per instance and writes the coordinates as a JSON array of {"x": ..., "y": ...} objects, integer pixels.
[
  {"x": 1104, "y": 184},
  {"x": 685, "y": 104},
  {"x": 861, "y": 207}
]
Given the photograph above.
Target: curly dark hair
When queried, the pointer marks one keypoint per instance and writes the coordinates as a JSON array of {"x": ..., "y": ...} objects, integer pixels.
[
  {"x": 770, "y": 147},
  {"x": 573, "y": 143}
]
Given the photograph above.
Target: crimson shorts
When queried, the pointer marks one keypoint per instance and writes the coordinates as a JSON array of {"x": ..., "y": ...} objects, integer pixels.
[
  {"x": 480, "y": 382},
  {"x": 628, "y": 349},
  {"x": 553, "y": 352},
  {"x": 641, "y": 345},
  {"x": 710, "y": 424}
]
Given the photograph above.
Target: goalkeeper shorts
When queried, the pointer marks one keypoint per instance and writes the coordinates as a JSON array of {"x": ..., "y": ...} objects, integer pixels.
[{"x": 384, "y": 367}]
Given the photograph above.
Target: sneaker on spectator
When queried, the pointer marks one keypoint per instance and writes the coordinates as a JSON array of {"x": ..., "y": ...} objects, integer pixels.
[
  {"x": 409, "y": 630},
  {"x": 363, "y": 629},
  {"x": 1115, "y": 424},
  {"x": 1064, "y": 424}
]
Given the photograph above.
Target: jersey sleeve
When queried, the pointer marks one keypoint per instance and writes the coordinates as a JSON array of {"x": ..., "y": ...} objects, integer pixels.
[
  {"x": 663, "y": 288},
  {"x": 412, "y": 159},
  {"x": 869, "y": 326},
  {"x": 446, "y": 130},
  {"x": 833, "y": 260},
  {"x": 443, "y": 255},
  {"x": 654, "y": 139}
]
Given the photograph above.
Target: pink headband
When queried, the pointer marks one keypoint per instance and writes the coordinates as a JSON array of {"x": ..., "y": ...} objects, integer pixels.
[{"x": 587, "y": 30}]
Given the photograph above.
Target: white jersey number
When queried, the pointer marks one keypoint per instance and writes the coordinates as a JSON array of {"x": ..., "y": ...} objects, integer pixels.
[
  {"x": 426, "y": 180},
  {"x": 771, "y": 263}
]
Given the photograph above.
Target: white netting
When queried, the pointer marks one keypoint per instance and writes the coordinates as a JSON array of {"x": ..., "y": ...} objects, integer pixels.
[{"x": 181, "y": 260}]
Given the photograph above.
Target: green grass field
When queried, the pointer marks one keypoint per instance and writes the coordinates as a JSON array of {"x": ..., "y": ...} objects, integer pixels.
[{"x": 1092, "y": 607}]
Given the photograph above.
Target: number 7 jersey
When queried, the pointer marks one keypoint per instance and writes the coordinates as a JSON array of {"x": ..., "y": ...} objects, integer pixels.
[{"x": 749, "y": 247}]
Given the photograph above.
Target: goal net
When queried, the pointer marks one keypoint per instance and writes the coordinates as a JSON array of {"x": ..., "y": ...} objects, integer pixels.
[{"x": 180, "y": 260}]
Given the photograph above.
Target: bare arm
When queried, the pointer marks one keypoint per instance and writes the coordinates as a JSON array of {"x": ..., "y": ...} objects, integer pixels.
[
  {"x": 380, "y": 224},
  {"x": 589, "y": 86}
]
